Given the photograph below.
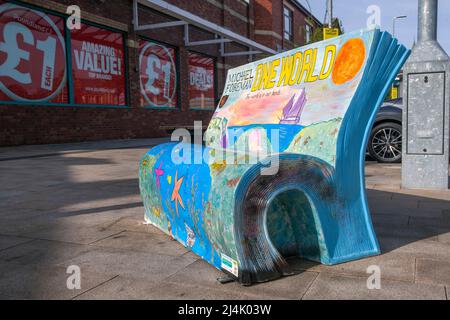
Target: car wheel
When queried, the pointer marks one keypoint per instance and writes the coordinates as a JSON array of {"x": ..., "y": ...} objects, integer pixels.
[{"x": 385, "y": 143}]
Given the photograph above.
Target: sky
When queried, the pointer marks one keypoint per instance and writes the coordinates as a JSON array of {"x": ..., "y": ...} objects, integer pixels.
[{"x": 353, "y": 15}]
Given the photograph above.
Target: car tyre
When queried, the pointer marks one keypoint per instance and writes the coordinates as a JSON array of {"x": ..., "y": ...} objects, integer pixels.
[{"x": 385, "y": 143}]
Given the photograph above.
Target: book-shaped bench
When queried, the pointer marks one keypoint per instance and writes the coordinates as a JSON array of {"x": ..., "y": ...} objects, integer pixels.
[{"x": 281, "y": 173}]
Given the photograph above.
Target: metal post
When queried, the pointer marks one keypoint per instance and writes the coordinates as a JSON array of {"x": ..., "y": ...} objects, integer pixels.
[
  {"x": 427, "y": 30},
  {"x": 426, "y": 107},
  {"x": 330, "y": 13}
]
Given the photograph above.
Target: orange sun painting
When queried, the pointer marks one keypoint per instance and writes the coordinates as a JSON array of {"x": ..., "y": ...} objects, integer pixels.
[{"x": 349, "y": 61}]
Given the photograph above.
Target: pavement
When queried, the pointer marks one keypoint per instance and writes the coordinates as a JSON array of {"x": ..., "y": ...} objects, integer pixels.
[{"x": 79, "y": 205}]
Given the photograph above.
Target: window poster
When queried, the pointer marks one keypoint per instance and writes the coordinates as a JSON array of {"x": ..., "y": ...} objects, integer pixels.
[
  {"x": 98, "y": 66},
  {"x": 201, "y": 82},
  {"x": 158, "y": 75},
  {"x": 32, "y": 55}
]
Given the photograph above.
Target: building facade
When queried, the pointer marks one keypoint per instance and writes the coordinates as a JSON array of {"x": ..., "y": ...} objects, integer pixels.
[{"x": 129, "y": 68}]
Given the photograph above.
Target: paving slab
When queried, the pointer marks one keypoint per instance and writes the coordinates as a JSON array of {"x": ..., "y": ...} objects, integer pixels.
[
  {"x": 424, "y": 195},
  {"x": 51, "y": 149},
  {"x": 425, "y": 204},
  {"x": 425, "y": 249},
  {"x": 388, "y": 219},
  {"x": 433, "y": 271},
  {"x": 392, "y": 209},
  {"x": 393, "y": 266},
  {"x": 144, "y": 241},
  {"x": 444, "y": 238},
  {"x": 11, "y": 241},
  {"x": 140, "y": 265},
  {"x": 414, "y": 232},
  {"x": 71, "y": 233},
  {"x": 129, "y": 288},
  {"x": 134, "y": 224},
  {"x": 430, "y": 222},
  {"x": 330, "y": 286},
  {"x": 42, "y": 252},
  {"x": 205, "y": 275},
  {"x": 43, "y": 282}
]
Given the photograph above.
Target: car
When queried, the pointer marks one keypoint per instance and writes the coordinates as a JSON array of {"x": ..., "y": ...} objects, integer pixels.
[{"x": 385, "y": 141}]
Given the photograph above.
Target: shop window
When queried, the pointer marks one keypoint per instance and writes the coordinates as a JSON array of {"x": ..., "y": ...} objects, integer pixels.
[
  {"x": 98, "y": 66},
  {"x": 35, "y": 55},
  {"x": 158, "y": 75},
  {"x": 201, "y": 82},
  {"x": 288, "y": 23},
  {"x": 32, "y": 55}
]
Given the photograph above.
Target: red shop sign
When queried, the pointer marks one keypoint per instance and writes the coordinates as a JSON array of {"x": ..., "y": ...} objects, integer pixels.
[
  {"x": 98, "y": 66},
  {"x": 158, "y": 77},
  {"x": 201, "y": 82},
  {"x": 32, "y": 54}
]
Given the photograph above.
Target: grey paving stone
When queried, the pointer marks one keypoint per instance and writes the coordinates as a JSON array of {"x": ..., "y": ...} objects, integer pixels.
[
  {"x": 408, "y": 231},
  {"x": 330, "y": 286},
  {"x": 98, "y": 217},
  {"x": 135, "y": 224},
  {"x": 42, "y": 252},
  {"x": 388, "y": 219},
  {"x": 43, "y": 282},
  {"x": 433, "y": 271},
  {"x": 375, "y": 195},
  {"x": 73, "y": 233},
  {"x": 23, "y": 224},
  {"x": 129, "y": 288},
  {"x": 150, "y": 266},
  {"x": 393, "y": 266},
  {"x": 146, "y": 242},
  {"x": 444, "y": 238},
  {"x": 34, "y": 150},
  {"x": 424, "y": 248},
  {"x": 203, "y": 274},
  {"x": 426, "y": 204},
  {"x": 10, "y": 241},
  {"x": 385, "y": 208},
  {"x": 424, "y": 195},
  {"x": 430, "y": 222}
]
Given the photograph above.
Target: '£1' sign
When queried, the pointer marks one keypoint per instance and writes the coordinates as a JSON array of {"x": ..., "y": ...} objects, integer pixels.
[
  {"x": 157, "y": 75},
  {"x": 32, "y": 54}
]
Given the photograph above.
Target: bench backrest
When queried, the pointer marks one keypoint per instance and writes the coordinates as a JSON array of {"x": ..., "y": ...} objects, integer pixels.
[{"x": 294, "y": 101}]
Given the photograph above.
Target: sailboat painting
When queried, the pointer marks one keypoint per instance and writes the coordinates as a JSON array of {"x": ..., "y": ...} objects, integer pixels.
[{"x": 293, "y": 110}]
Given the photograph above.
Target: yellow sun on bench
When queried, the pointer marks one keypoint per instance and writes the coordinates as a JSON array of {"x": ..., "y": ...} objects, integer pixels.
[{"x": 349, "y": 61}]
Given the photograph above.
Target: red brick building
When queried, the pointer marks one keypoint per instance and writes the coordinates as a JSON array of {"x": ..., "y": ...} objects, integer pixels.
[{"x": 130, "y": 69}]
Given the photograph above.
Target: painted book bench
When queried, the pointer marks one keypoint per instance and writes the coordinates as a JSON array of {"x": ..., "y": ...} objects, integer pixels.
[{"x": 281, "y": 173}]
